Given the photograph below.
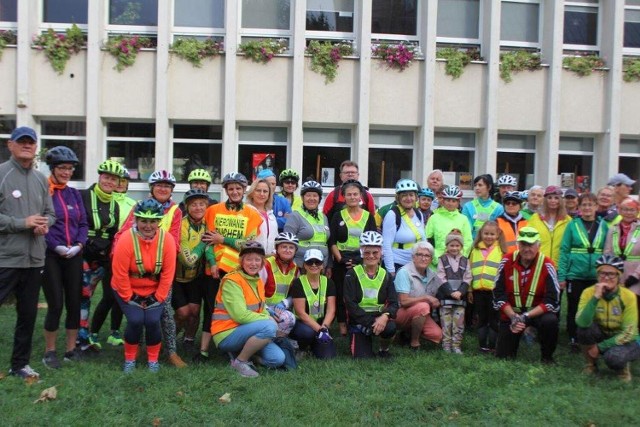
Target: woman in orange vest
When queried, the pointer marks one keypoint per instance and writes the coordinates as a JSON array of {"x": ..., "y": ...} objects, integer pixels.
[
  {"x": 511, "y": 221},
  {"x": 241, "y": 324},
  {"x": 144, "y": 263}
]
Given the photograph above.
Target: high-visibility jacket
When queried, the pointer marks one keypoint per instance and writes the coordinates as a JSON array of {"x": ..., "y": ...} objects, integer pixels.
[
  {"x": 319, "y": 232},
  {"x": 253, "y": 296},
  {"x": 577, "y": 254},
  {"x": 354, "y": 230},
  {"x": 484, "y": 270},
  {"x": 283, "y": 281},
  {"x": 315, "y": 301},
  {"x": 510, "y": 235},
  {"x": 370, "y": 288}
]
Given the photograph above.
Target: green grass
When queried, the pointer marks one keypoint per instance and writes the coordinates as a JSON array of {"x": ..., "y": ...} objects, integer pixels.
[{"x": 429, "y": 387}]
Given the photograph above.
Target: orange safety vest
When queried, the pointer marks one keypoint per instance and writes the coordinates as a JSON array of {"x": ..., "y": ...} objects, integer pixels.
[
  {"x": 221, "y": 320},
  {"x": 509, "y": 234}
]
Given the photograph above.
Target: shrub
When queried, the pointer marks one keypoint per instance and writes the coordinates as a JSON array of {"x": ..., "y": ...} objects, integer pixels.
[
  {"x": 263, "y": 50},
  {"x": 194, "y": 50},
  {"x": 59, "y": 47},
  {"x": 396, "y": 55},
  {"x": 516, "y": 61},
  {"x": 326, "y": 55},
  {"x": 457, "y": 59},
  {"x": 125, "y": 49},
  {"x": 583, "y": 65}
]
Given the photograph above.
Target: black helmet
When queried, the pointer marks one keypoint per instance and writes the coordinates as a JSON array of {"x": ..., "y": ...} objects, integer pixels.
[
  {"x": 251, "y": 246},
  {"x": 61, "y": 154},
  {"x": 351, "y": 182},
  {"x": 195, "y": 193},
  {"x": 311, "y": 186}
]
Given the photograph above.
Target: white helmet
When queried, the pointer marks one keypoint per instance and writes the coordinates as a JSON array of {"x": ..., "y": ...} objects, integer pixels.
[
  {"x": 162, "y": 176},
  {"x": 452, "y": 192},
  {"x": 371, "y": 238},
  {"x": 506, "y": 180}
]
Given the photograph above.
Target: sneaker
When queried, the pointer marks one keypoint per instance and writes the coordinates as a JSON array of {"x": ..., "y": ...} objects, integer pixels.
[
  {"x": 50, "y": 360},
  {"x": 73, "y": 356},
  {"x": 446, "y": 349},
  {"x": 94, "y": 342},
  {"x": 456, "y": 350},
  {"x": 384, "y": 354},
  {"x": 153, "y": 366},
  {"x": 245, "y": 369},
  {"x": 115, "y": 339},
  {"x": 129, "y": 366},
  {"x": 26, "y": 372},
  {"x": 189, "y": 346},
  {"x": 176, "y": 360}
]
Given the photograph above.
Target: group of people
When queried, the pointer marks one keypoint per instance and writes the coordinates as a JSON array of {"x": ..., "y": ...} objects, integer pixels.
[{"x": 266, "y": 274}]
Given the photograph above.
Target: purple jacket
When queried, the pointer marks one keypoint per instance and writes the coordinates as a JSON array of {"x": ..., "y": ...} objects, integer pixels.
[{"x": 71, "y": 225}]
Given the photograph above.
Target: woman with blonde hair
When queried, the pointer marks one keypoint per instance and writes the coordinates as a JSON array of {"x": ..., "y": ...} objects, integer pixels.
[
  {"x": 260, "y": 196},
  {"x": 551, "y": 221}
]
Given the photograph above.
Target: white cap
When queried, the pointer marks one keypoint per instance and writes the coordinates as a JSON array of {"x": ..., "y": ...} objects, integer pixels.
[{"x": 313, "y": 254}]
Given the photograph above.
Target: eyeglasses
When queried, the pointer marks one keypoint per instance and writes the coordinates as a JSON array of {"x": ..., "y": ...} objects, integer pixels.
[
  {"x": 289, "y": 181},
  {"x": 511, "y": 203},
  {"x": 528, "y": 234},
  {"x": 370, "y": 253},
  {"x": 66, "y": 168},
  {"x": 628, "y": 210},
  {"x": 314, "y": 262},
  {"x": 423, "y": 256},
  {"x": 607, "y": 274},
  {"x": 350, "y": 172}
]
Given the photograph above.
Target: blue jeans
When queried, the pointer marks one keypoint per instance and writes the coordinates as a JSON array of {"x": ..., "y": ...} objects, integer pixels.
[
  {"x": 138, "y": 318},
  {"x": 303, "y": 333},
  {"x": 272, "y": 356}
]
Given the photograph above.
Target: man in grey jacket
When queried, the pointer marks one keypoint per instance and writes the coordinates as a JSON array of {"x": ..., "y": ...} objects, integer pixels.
[{"x": 26, "y": 213}]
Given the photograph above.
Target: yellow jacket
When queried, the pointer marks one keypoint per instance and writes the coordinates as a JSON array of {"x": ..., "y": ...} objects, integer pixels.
[{"x": 550, "y": 240}]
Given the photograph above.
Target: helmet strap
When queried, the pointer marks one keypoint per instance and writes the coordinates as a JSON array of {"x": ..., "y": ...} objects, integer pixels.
[{"x": 231, "y": 206}]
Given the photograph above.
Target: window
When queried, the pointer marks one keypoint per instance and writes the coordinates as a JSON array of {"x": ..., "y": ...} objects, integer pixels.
[
  {"x": 8, "y": 13},
  {"x": 516, "y": 157},
  {"x": 65, "y": 12},
  {"x": 395, "y": 20},
  {"x": 575, "y": 162},
  {"x": 581, "y": 25},
  {"x": 197, "y": 147},
  {"x": 629, "y": 162},
  {"x": 69, "y": 134},
  {"x": 133, "y": 16},
  {"x": 323, "y": 151},
  {"x": 7, "y": 125},
  {"x": 261, "y": 148},
  {"x": 458, "y": 21},
  {"x": 520, "y": 23},
  {"x": 266, "y": 18},
  {"x": 330, "y": 19},
  {"x": 454, "y": 154},
  {"x": 390, "y": 157},
  {"x": 133, "y": 145},
  {"x": 198, "y": 17},
  {"x": 632, "y": 26}
]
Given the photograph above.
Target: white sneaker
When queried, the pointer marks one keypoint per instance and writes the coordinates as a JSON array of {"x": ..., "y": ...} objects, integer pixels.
[{"x": 244, "y": 368}]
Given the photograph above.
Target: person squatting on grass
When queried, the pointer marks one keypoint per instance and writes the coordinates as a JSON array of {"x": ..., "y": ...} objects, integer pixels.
[
  {"x": 416, "y": 285},
  {"x": 527, "y": 294},
  {"x": 144, "y": 264},
  {"x": 607, "y": 321},
  {"x": 26, "y": 213},
  {"x": 371, "y": 300},
  {"x": 62, "y": 284},
  {"x": 241, "y": 324},
  {"x": 455, "y": 274}
]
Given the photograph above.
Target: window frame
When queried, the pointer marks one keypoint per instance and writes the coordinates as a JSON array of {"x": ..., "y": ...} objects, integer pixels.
[
  {"x": 632, "y": 51},
  {"x": 473, "y": 149},
  {"x": 118, "y": 29},
  {"x": 10, "y": 25},
  {"x": 324, "y": 144},
  {"x": 580, "y": 47},
  {"x": 43, "y": 138},
  {"x": 525, "y": 151},
  {"x": 137, "y": 183},
  {"x": 383, "y": 37},
  {"x": 592, "y": 154},
  {"x": 178, "y": 31},
  {"x": 333, "y": 35},
  {"x": 463, "y": 41},
  {"x": 382, "y": 146},
  {"x": 265, "y": 33},
  {"x": 520, "y": 44},
  {"x": 59, "y": 26},
  {"x": 200, "y": 141}
]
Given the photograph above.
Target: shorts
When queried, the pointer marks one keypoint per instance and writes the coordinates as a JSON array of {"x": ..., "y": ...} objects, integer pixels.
[{"x": 188, "y": 293}]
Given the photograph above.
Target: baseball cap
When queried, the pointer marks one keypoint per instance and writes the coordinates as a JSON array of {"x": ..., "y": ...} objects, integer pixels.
[
  {"x": 23, "y": 131},
  {"x": 265, "y": 173},
  {"x": 553, "y": 190},
  {"x": 313, "y": 254},
  {"x": 620, "y": 178},
  {"x": 571, "y": 192},
  {"x": 528, "y": 235}
]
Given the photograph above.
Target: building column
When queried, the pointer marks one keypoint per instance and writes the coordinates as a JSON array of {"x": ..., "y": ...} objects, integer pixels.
[
  {"x": 164, "y": 147},
  {"x": 229, "y": 161},
  {"x": 95, "y": 131},
  {"x": 297, "y": 89},
  {"x": 360, "y": 146}
]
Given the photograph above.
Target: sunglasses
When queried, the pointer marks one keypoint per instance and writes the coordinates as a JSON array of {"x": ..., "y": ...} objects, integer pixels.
[
  {"x": 528, "y": 234},
  {"x": 314, "y": 262}
]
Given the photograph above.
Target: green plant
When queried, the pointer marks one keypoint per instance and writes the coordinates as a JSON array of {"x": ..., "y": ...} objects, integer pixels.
[
  {"x": 59, "y": 47},
  {"x": 263, "y": 50},
  {"x": 516, "y": 61},
  {"x": 396, "y": 55},
  {"x": 194, "y": 50},
  {"x": 457, "y": 59},
  {"x": 631, "y": 70},
  {"x": 326, "y": 55},
  {"x": 583, "y": 65},
  {"x": 125, "y": 49},
  {"x": 7, "y": 37}
]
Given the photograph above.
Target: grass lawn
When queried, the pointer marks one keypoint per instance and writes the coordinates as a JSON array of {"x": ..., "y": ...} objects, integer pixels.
[{"x": 430, "y": 387}]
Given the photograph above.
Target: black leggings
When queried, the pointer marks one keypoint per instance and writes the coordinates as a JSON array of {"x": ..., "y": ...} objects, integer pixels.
[
  {"x": 574, "y": 290},
  {"x": 487, "y": 318},
  {"x": 107, "y": 303},
  {"x": 209, "y": 293},
  {"x": 62, "y": 286}
]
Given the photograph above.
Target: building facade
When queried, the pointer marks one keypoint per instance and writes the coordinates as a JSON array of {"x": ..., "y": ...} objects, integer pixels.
[{"x": 546, "y": 126}]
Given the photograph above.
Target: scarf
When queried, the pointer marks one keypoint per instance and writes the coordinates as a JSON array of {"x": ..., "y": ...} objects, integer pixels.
[
  {"x": 233, "y": 206},
  {"x": 53, "y": 186},
  {"x": 312, "y": 212},
  {"x": 102, "y": 196}
]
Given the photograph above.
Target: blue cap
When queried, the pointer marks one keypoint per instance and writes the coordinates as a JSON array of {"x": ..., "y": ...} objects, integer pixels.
[
  {"x": 265, "y": 173},
  {"x": 23, "y": 131}
]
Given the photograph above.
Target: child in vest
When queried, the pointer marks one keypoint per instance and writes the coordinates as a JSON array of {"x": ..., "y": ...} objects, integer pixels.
[
  {"x": 488, "y": 249},
  {"x": 455, "y": 274}
]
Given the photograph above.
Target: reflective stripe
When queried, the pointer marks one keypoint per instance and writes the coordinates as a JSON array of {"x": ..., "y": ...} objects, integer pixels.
[
  {"x": 138, "y": 255},
  {"x": 532, "y": 288},
  {"x": 354, "y": 230},
  {"x": 629, "y": 247},
  {"x": 594, "y": 247},
  {"x": 319, "y": 230},
  {"x": 484, "y": 276},
  {"x": 316, "y": 301},
  {"x": 487, "y": 263},
  {"x": 370, "y": 288},
  {"x": 167, "y": 218},
  {"x": 484, "y": 269},
  {"x": 404, "y": 245},
  {"x": 253, "y": 294},
  {"x": 220, "y": 316},
  {"x": 283, "y": 281},
  {"x": 99, "y": 230},
  {"x": 482, "y": 214}
]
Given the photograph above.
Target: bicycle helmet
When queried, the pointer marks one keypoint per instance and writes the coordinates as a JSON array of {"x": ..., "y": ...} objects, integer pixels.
[
  {"x": 199, "y": 175},
  {"x": 524, "y": 195},
  {"x": 148, "y": 209},
  {"x": 405, "y": 185},
  {"x": 506, "y": 180},
  {"x": 311, "y": 186},
  {"x": 512, "y": 195},
  {"x": 612, "y": 260},
  {"x": 125, "y": 173},
  {"x": 371, "y": 238},
  {"x": 111, "y": 167},
  {"x": 195, "y": 193},
  {"x": 289, "y": 174},
  {"x": 61, "y": 154},
  {"x": 162, "y": 176},
  {"x": 426, "y": 192},
  {"x": 452, "y": 192},
  {"x": 353, "y": 182},
  {"x": 286, "y": 237},
  {"x": 251, "y": 246},
  {"x": 234, "y": 178}
]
